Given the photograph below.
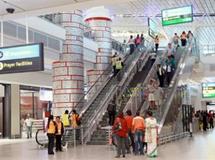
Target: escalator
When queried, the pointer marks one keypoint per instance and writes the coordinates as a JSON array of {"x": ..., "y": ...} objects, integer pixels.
[
  {"x": 100, "y": 135},
  {"x": 166, "y": 107},
  {"x": 91, "y": 112}
]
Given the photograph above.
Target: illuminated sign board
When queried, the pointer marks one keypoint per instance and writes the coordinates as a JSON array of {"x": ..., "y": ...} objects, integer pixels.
[
  {"x": 153, "y": 28},
  {"x": 21, "y": 58},
  {"x": 208, "y": 90},
  {"x": 177, "y": 15}
]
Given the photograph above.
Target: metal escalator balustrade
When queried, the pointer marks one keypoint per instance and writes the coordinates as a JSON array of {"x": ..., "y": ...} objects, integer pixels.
[
  {"x": 113, "y": 88},
  {"x": 174, "y": 84}
]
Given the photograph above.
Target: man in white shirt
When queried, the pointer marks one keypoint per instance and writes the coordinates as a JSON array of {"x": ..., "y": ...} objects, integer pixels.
[{"x": 28, "y": 125}]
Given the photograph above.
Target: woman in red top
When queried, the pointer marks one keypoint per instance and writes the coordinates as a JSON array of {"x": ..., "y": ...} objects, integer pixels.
[{"x": 120, "y": 129}]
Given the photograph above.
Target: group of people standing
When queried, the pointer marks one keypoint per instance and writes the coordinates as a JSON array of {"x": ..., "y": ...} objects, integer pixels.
[
  {"x": 135, "y": 132},
  {"x": 205, "y": 120},
  {"x": 55, "y": 129}
]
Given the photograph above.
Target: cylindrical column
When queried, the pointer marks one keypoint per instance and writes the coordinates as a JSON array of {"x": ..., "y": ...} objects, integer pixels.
[
  {"x": 68, "y": 72},
  {"x": 99, "y": 20}
]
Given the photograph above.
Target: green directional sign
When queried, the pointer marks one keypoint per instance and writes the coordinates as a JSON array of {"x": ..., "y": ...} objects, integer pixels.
[{"x": 177, "y": 15}]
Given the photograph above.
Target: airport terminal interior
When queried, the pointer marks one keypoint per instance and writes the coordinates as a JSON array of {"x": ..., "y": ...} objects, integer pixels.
[{"x": 107, "y": 79}]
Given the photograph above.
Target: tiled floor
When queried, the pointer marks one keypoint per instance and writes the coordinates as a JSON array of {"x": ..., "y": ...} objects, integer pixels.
[{"x": 201, "y": 147}]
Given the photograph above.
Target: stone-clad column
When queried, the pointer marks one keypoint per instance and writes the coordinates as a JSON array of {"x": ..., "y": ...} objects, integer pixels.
[
  {"x": 68, "y": 72},
  {"x": 99, "y": 20}
]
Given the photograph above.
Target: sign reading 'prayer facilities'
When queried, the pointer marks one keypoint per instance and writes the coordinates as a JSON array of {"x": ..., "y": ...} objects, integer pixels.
[{"x": 21, "y": 58}]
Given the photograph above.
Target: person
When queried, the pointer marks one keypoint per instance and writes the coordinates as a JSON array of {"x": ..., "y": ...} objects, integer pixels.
[
  {"x": 124, "y": 46},
  {"x": 211, "y": 120},
  {"x": 138, "y": 130},
  {"x": 170, "y": 50},
  {"x": 142, "y": 39},
  {"x": 137, "y": 40},
  {"x": 169, "y": 69},
  {"x": 129, "y": 120},
  {"x": 120, "y": 130},
  {"x": 111, "y": 112},
  {"x": 51, "y": 130},
  {"x": 151, "y": 134},
  {"x": 161, "y": 75},
  {"x": 176, "y": 41},
  {"x": 183, "y": 39},
  {"x": 151, "y": 96},
  {"x": 28, "y": 125},
  {"x": 205, "y": 121},
  {"x": 153, "y": 58},
  {"x": 75, "y": 119},
  {"x": 65, "y": 119},
  {"x": 156, "y": 43},
  {"x": 59, "y": 134},
  {"x": 189, "y": 36},
  {"x": 114, "y": 59},
  {"x": 131, "y": 44},
  {"x": 119, "y": 65}
]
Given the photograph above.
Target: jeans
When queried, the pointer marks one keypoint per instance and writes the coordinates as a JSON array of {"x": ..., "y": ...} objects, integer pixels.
[
  {"x": 58, "y": 142},
  {"x": 120, "y": 145},
  {"x": 29, "y": 132},
  {"x": 51, "y": 138},
  {"x": 130, "y": 139},
  {"x": 138, "y": 138}
]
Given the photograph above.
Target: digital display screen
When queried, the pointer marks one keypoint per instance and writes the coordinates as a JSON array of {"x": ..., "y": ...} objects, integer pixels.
[
  {"x": 153, "y": 28},
  {"x": 22, "y": 58},
  {"x": 208, "y": 90},
  {"x": 177, "y": 15}
]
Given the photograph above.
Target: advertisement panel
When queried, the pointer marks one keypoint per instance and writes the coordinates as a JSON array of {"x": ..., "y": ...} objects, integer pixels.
[{"x": 22, "y": 58}]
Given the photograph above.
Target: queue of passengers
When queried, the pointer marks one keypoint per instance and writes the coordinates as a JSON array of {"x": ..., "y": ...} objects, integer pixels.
[{"x": 55, "y": 129}]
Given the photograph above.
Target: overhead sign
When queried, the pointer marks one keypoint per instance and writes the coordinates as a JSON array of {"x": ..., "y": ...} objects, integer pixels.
[
  {"x": 21, "y": 58},
  {"x": 177, "y": 15},
  {"x": 208, "y": 90},
  {"x": 153, "y": 28}
]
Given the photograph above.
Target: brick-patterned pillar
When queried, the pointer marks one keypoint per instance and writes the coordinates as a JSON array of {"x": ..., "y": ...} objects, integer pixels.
[
  {"x": 99, "y": 20},
  {"x": 68, "y": 72}
]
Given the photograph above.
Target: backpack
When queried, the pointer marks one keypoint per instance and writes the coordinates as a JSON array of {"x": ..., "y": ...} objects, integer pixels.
[{"x": 78, "y": 120}]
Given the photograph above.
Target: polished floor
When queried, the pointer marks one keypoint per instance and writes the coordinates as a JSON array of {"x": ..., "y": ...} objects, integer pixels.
[{"x": 200, "y": 147}]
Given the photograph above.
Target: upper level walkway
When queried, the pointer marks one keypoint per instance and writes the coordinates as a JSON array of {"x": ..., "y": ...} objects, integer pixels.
[{"x": 200, "y": 147}]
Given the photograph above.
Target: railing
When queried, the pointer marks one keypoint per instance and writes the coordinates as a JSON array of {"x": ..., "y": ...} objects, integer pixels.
[
  {"x": 207, "y": 50},
  {"x": 42, "y": 139},
  {"x": 172, "y": 137}
]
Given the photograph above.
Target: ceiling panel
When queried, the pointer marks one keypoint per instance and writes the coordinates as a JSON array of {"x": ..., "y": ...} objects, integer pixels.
[{"x": 28, "y": 5}]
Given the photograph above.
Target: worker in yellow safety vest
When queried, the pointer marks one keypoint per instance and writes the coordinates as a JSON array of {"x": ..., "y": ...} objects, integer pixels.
[
  {"x": 114, "y": 59},
  {"x": 65, "y": 119},
  {"x": 51, "y": 130}
]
